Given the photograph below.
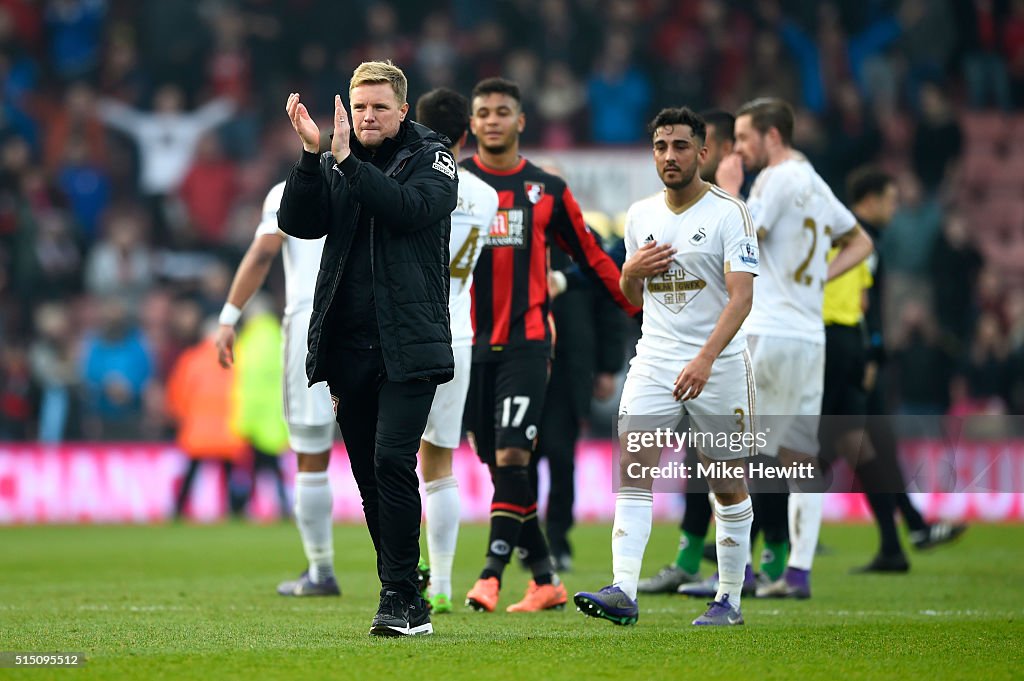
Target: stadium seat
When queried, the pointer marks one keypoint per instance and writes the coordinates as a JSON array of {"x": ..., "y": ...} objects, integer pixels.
[{"x": 985, "y": 130}]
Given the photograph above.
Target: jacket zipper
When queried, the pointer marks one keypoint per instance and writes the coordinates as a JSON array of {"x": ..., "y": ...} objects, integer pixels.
[{"x": 373, "y": 284}]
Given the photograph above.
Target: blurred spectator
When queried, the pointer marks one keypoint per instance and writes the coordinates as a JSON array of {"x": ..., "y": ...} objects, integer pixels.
[
  {"x": 166, "y": 140},
  {"x": 620, "y": 94},
  {"x": 988, "y": 83},
  {"x": 229, "y": 75},
  {"x": 560, "y": 102},
  {"x": 920, "y": 364},
  {"x": 485, "y": 53},
  {"x": 830, "y": 57},
  {"x": 927, "y": 44},
  {"x": 121, "y": 264},
  {"x": 173, "y": 38},
  {"x": 382, "y": 38},
  {"x": 199, "y": 402},
  {"x": 55, "y": 371},
  {"x": 983, "y": 372},
  {"x": 58, "y": 259},
  {"x": 953, "y": 268},
  {"x": 75, "y": 122},
  {"x": 121, "y": 75},
  {"x": 19, "y": 75},
  {"x": 17, "y": 393},
  {"x": 209, "y": 190},
  {"x": 116, "y": 366},
  {"x": 436, "y": 55},
  {"x": 86, "y": 185},
  {"x": 75, "y": 28},
  {"x": 769, "y": 74},
  {"x": 909, "y": 240},
  {"x": 852, "y": 133},
  {"x": 938, "y": 140}
]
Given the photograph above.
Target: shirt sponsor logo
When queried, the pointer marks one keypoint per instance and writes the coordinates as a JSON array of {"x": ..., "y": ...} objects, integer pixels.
[
  {"x": 675, "y": 289},
  {"x": 534, "y": 191},
  {"x": 508, "y": 229},
  {"x": 444, "y": 163}
]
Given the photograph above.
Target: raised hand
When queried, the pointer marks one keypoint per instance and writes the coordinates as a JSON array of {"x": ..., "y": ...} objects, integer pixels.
[
  {"x": 342, "y": 128},
  {"x": 303, "y": 124}
]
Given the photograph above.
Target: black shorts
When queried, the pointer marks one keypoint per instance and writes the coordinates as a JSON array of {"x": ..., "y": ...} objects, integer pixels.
[
  {"x": 505, "y": 403},
  {"x": 844, "y": 401},
  {"x": 845, "y": 359}
]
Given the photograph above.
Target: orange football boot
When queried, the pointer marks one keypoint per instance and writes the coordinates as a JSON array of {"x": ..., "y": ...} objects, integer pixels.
[
  {"x": 483, "y": 597},
  {"x": 541, "y": 597}
]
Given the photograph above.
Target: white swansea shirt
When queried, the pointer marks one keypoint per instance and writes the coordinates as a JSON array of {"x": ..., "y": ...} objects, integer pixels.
[
  {"x": 798, "y": 216},
  {"x": 712, "y": 236}
]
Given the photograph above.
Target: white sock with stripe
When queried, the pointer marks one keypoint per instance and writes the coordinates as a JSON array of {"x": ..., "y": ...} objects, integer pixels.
[
  {"x": 634, "y": 510},
  {"x": 732, "y": 541}
]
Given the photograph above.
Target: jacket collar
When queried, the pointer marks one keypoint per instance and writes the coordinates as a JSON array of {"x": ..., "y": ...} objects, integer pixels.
[{"x": 411, "y": 137}]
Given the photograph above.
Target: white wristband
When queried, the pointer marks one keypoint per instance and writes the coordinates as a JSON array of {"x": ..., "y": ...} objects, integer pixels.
[{"x": 229, "y": 315}]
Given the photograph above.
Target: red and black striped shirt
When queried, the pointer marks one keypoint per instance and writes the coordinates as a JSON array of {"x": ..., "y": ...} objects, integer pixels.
[{"x": 510, "y": 286}]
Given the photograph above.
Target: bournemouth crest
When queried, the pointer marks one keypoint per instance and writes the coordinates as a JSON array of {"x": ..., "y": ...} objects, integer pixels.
[{"x": 534, "y": 191}]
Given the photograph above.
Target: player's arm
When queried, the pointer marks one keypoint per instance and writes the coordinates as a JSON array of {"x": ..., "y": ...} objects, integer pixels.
[
  {"x": 854, "y": 246},
  {"x": 694, "y": 376},
  {"x": 574, "y": 237},
  {"x": 251, "y": 274}
]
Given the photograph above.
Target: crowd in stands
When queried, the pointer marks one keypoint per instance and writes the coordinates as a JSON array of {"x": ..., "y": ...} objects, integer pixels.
[{"x": 138, "y": 139}]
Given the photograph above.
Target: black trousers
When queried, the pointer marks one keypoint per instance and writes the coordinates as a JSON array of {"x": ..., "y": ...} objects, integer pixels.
[
  {"x": 559, "y": 431},
  {"x": 381, "y": 422}
]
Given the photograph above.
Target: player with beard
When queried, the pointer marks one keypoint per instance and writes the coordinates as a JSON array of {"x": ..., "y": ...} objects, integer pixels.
[
  {"x": 697, "y": 515},
  {"x": 797, "y": 217},
  {"x": 691, "y": 262}
]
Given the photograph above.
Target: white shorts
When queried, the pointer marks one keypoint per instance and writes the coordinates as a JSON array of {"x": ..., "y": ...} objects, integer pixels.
[
  {"x": 723, "y": 411},
  {"x": 308, "y": 410},
  {"x": 790, "y": 378},
  {"x": 444, "y": 424}
]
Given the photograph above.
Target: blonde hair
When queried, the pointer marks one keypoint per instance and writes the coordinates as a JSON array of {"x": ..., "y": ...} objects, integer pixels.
[{"x": 371, "y": 72}]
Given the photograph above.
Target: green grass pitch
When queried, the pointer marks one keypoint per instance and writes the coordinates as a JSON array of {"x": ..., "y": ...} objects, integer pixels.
[{"x": 182, "y": 602}]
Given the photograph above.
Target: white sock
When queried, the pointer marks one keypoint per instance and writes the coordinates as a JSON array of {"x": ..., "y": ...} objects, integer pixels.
[
  {"x": 634, "y": 510},
  {"x": 313, "y": 505},
  {"x": 442, "y": 532},
  {"x": 732, "y": 541},
  {"x": 804, "y": 527}
]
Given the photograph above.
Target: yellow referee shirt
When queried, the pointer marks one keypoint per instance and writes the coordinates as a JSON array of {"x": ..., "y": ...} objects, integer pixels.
[{"x": 843, "y": 295}]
